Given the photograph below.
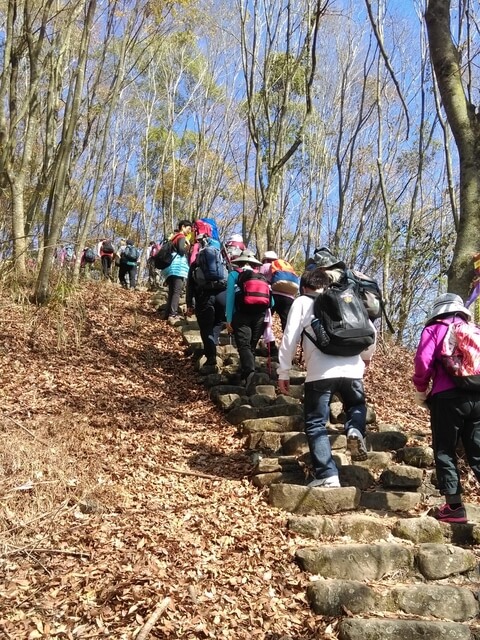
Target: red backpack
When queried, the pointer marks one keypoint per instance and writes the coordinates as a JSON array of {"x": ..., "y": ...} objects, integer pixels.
[
  {"x": 460, "y": 354},
  {"x": 254, "y": 292}
]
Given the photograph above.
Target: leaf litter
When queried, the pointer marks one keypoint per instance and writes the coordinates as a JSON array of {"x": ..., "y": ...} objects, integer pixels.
[{"x": 126, "y": 505}]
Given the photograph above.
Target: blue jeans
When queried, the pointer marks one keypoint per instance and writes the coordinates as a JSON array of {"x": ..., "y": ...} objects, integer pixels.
[{"x": 318, "y": 395}]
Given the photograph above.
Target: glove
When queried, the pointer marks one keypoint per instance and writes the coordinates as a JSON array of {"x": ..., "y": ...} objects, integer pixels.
[{"x": 421, "y": 399}]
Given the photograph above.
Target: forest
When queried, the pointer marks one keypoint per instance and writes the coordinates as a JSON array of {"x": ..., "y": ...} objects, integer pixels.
[{"x": 343, "y": 123}]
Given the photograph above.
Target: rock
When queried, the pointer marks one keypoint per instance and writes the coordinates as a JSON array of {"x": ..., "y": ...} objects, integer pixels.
[
  {"x": 279, "y": 477},
  {"x": 354, "y": 476},
  {"x": 229, "y": 401},
  {"x": 267, "y": 442},
  {"x": 267, "y": 390},
  {"x": 439, "y": 601},
  {"x": 225, "y": 389},
  {"x": 306, "y": 500},
  {"x": 416, "y": 456},
  {"x": 436, "y": 561},
  {"x": 240, "y": 414},
  {"x": 312, "y": 526},
  {"x": 376, "y": 461},
  {"x": 332, "y": 597},
  {"x": 380, "y": 629},
  {"x": 283, "y": 400},
  {"x": 401, "y": 477},
  {"x": 349, "y": 561},
  {"x": 260, "y": 400},
  {"x": 283, "y": 463},
  {"x": 385, "y": 441},
  {"x": 294, "y": 443},
  {"x": 419, "y": 530},
  {"x": 363, "y": 528},
  {"x": 390, "y": 500},
  {"x": 297, "y": 391},
  {"x": 278, "y": 424}
]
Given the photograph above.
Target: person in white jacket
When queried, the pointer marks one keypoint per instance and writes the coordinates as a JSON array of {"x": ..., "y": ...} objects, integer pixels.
[{"x": 326, "y": 375}]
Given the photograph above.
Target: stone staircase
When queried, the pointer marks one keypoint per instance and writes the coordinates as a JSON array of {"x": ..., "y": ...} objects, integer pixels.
[{"x": 378, "y": 564}]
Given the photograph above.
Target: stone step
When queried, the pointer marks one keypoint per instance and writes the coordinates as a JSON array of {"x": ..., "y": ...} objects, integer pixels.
[
  {"x": 332, "y": 597},
  {"x": 406, "y": 571},
  {"x": 380, "y": 628},
  {"x": 368, "y": 527},
  {"x": 380, "y": 561}
]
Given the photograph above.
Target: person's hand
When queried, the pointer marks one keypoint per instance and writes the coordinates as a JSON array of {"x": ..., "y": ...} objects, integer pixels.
[
  {"x": 421, "y": 399},
  {"x": 284, "y": 387},
  {"x": 229, "y": 328},
  {"x": 190, "y": 311}
]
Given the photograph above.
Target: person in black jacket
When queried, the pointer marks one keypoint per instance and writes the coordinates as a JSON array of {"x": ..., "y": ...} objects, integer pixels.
[{"x": 207, "y": 300}]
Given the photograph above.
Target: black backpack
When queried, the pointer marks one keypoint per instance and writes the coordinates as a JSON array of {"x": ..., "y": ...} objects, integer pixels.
[
  {"x": 164, "y": 257},
  {"x": 370, "y": 294},
  {"x": 341, "y": 326},
  {"x": 107, "y": 247}
]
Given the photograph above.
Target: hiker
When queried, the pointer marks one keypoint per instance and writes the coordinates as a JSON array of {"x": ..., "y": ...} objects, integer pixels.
[
  {"x": 454, "y": 412},
  {"x": 283, "y": 298},
  {"x": 248, "y": 299},
  {"x": 153, "y": 276},
  {"x": 87, "y": 260},
  {"x": 176, "y": 273},
  {"x": 206, "y": 297},
  {"x": 234, "y": 246},
  {"x": 106, "y": 251},
  {"x": 326, "y": 375},
  {"x": 122, "y": 243},
  {"x": 128, "y": 265},
  {"x": 324, "y": 259}
]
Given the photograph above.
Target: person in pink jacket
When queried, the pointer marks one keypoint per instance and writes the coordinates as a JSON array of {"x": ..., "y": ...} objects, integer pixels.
[{"x": 454, "y": 412}]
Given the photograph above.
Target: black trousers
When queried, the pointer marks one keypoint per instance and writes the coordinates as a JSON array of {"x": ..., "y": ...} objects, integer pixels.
[
  {"x": 107, "y": 266},
  {"x": 454, "y": 415},
  {"x": 210, "y": 312},
  {"x": 129, "y": 270},
  {"x": 247, "y": 329},
  {"x": 282, "y": 307}
]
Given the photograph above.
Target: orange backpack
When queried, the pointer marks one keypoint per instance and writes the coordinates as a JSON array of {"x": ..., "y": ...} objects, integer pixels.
[{"x": 284, "y": 278}]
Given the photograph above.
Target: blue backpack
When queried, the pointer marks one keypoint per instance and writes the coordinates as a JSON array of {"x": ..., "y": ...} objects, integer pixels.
[
  {"x": 210, "y": 270},
  {"x": 130, "y": 253}
]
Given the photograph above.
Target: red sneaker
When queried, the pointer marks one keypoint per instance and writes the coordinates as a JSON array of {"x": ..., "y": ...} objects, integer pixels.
[{"x": 446, "y": 514}]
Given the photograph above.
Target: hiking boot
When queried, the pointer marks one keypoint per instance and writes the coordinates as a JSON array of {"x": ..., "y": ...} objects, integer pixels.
[
  {"x": 445, "y": 513},
  {"x": 249, "y": 379},
  {"x": 208, "y": 369},
  {"x": 327, "y": 483},
  {"x": 356, "y": 445}
]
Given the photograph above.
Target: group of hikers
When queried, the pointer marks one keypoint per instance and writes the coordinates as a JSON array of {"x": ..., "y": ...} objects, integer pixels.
[
  {"x": 325, "y": 312},
  {"x": 117, "y": 263}
]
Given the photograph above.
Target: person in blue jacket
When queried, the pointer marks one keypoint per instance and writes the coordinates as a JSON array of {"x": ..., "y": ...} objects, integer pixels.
[
  {"x": 176, "y": 273},
  {"x": 245, "y": 309}
]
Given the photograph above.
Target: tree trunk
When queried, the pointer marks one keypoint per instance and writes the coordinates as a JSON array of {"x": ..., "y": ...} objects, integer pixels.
[{"x": 465, "y": 125}]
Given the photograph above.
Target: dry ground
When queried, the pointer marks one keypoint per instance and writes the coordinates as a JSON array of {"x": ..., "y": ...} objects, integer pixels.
[{"x": 123, "y": 491}]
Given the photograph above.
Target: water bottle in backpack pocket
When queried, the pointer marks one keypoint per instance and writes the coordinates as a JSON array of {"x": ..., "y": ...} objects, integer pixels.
[{"x": 253, "y": 295}]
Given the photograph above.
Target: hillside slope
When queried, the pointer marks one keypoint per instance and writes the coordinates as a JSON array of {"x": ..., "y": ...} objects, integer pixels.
[{"x": 122, "y": 485}]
